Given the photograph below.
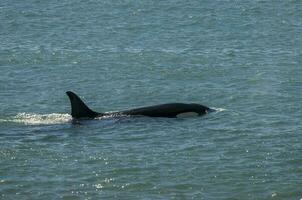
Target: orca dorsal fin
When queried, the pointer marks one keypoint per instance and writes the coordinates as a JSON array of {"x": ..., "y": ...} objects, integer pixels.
[{"x": 79, "y": 108}]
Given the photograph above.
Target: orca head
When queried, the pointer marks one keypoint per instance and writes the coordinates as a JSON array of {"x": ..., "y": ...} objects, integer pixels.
[
  {"x": 201, "y": 109},
  {"x": 209, "y": 110},
  {"x": 187, "y": 114}
]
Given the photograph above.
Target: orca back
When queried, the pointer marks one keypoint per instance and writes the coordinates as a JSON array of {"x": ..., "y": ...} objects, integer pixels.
[{"x": 168, "y": 110}]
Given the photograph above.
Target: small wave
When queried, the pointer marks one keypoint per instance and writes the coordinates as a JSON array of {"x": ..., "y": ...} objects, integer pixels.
[
  {"x": 39, "y": 119},
  {"x": 219, "y": 109}
]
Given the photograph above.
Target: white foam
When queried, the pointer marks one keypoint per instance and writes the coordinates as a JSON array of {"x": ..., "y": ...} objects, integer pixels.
[
  {"x": 219, "y": 109},
  {"x": 40, "y": 119}
]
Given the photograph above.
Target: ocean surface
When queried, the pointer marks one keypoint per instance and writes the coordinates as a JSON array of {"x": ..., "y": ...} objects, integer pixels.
[{"x": 243, "y": 58}]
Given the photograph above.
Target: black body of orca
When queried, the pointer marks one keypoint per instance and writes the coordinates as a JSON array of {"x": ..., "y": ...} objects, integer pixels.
[{"x": 79, "y": 110}]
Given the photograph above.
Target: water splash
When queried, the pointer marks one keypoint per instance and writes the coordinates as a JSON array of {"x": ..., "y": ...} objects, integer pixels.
[
  {"x": 219, "y": 109},
  {"x": 39, "y": 119}
]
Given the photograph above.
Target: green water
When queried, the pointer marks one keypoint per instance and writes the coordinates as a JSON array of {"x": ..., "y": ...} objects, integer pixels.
[{"x": 242, "y": 58}]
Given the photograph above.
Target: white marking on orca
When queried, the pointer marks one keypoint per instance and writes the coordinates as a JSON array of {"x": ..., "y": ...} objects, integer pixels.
[{"x": 187, "y": 114}]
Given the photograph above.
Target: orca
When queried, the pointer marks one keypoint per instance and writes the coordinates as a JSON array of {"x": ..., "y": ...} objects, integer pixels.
[{"x": 79, "y": 110}]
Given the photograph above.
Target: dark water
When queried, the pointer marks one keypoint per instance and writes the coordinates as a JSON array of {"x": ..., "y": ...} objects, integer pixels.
[{"x": 242, "y": 58}]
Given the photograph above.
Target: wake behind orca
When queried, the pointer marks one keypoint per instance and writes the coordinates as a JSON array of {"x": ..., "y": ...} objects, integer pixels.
[{"x": 79, "y": 110}]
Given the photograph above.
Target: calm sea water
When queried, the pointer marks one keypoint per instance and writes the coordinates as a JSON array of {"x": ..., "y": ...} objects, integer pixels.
[{"x": 242, "y": 58}]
